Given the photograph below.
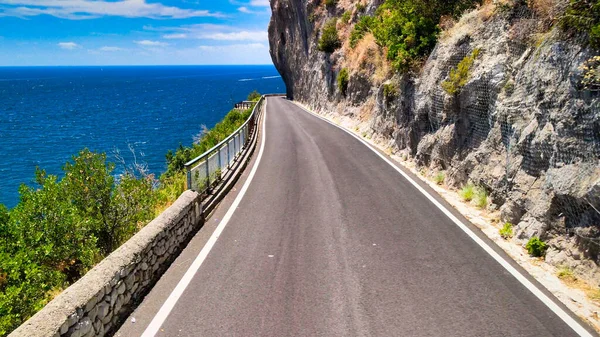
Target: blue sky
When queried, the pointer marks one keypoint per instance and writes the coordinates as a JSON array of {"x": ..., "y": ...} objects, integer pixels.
[{"x": 133, "y": 32}]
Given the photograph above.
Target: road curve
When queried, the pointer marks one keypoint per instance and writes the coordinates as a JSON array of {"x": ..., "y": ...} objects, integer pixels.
[{"x": 330, "y": 240}]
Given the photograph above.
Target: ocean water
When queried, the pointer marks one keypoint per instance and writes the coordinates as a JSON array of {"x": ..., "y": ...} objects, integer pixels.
[{"x": 48, "y": 114}]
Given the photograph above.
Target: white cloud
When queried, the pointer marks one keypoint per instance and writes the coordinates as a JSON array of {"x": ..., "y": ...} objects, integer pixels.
[
  {"x": 175, "y": 36},
  {"x": 88, "y": 9},
  {"x": 252, "y": 3},
  {"x": 212, "y": 32},
  {"x": 68, "y": 45},
  {"x": 244, "y": 9},
  {"x": 149, "y": 43},
  {"x": 238, "y": 36},
  {"x": 259, "y": 3},
  {"x": 110, "y": 49},
  {"x": 230, "y": 47}
]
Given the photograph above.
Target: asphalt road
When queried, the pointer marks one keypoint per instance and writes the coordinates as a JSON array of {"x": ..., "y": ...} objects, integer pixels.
[{"x": 330, "y": 240}]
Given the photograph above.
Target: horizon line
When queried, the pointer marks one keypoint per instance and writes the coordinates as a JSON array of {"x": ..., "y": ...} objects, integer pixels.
[{"x": 139, "y": 65}]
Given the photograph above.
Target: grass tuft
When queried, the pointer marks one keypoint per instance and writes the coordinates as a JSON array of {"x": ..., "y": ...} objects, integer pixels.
[
  {"x": 439, "y": 178},
  {"x": 506, "y": 232},
  {"x": 467, "y": 192}
]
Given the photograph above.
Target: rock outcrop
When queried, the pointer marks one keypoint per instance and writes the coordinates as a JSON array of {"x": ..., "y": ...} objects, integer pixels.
[{"x": 522, "y": 127}]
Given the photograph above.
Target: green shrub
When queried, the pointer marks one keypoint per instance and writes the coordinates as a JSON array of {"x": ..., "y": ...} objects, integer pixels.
[
  {"x": 342, "y": 81},
  {"x": 480, "y": 197},
  {"x": 176, "y": 160},
  {"x": 409, "y": 28},
  {"x": 583, "y": 16},
  {"x": 362, "y": 27},
  {"x": 254, "y": 96},
  {"x": 536, "y": 247},
  {"x": 439, "y": 178},
  {"x": 506, "y": 231},
  {"x": 459, "y": 76},
  {"x": 390, "y": 92},
  {"x": 346, "y": 17},
  {"x": 330, "y": 4},
  {"x": 360, "y": 7},
  {"x": 329, "y": 40},
  {"x": 467, "y": 192}
]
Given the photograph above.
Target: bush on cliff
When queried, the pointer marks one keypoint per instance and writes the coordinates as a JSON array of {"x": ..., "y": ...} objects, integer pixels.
[
  {"x": 584, "y": 16},
  {"x": 460, "y": 75},
  {"x": 408, "y": 28},
  {"x": 329, "y": 40},
  {"x": 342, "y": 81}
]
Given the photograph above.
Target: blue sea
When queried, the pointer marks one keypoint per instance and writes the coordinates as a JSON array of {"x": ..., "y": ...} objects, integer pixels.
[{"x": 48, "y": 114}]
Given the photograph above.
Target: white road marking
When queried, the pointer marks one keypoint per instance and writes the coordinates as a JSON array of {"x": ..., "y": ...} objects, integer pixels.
[
  {"x": 166, "y": 308},
  {"x": 578, "y": 328}
]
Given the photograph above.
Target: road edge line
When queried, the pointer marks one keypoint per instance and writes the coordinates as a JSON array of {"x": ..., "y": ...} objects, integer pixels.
[
  {"x": 177, "y": 292},
  {"x": 562, "y": 314}
]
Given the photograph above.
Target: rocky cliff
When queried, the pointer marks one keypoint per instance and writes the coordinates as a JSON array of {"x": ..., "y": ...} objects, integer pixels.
[{"x": 523, "y": 127}]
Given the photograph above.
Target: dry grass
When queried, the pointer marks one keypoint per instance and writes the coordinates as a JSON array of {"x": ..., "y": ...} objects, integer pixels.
[
  {"x": 367, "y": 109},
  {"x": 368, "y": 58},
  {"x": 566, "y": 275},
  {"x": 548, "y": 11}
]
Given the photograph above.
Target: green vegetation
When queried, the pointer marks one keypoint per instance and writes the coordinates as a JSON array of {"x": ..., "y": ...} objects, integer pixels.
[
  {"x": 590, "y": 74},
  {"x": 342, "y": 81},
  {"x": 360, "y": 7},
  {"x": 345, "y": 18},
  {"x": 506, "y": 232},
  {"x": 439, "y": 178},
  {"x": 481, "y": 197},
  {"x": 362, "y": 27},
  {"x": 536, "y": 247},
  {"x": 390, "y": 91},
  {"x": 467, "y": 192},
  {"x": 254, "y": 96},
  {"x": 209, "y": 138},
  {"x": 584, "y": 16},
  {"x": 329, "y": 40},
  {"x": 459, "y": 76},
  {"x": 330, "y": 4},
  {"x": 566, "y": 274},
  {"x": 61, "y": 228},
  {"x": 408, "y": 28}
]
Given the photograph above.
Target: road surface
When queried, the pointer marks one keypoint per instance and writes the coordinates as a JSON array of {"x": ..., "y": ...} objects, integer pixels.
[{"x": 330, "y": 240}]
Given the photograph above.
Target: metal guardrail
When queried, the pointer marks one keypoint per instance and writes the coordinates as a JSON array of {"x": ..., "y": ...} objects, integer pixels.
[{"x": 206, "y": 170}]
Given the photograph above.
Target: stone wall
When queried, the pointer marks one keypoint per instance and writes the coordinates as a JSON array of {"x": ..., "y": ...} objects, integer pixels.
[{"x": 97, "y": 304}]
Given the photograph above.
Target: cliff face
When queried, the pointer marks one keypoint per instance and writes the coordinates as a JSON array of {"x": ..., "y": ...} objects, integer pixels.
[{"x": 522, "y": 127}]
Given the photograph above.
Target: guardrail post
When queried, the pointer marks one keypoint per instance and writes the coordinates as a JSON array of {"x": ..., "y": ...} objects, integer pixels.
[
  {"x": 189, "y": 179},
  {"x": 234, "y": 149},
  {"x": 219, "y": 161},
  {"x": 228, "y": 158},
  {"x": 207, "y": 175}
]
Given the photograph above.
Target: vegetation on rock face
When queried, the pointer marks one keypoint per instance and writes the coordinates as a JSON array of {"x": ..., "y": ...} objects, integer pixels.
[
  {"x": 330, "y": 4},
  {"x": 342, "y": 81},
  {"x": 584, "y": 16},
  {"x": 459, "y": 76},
  {"x": 329, "y": 40},
  {"x": 408, "y": 29}
]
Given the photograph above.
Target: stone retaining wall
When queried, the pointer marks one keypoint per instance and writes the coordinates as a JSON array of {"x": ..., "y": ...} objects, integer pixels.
[{"x": 97, "y": 303}]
